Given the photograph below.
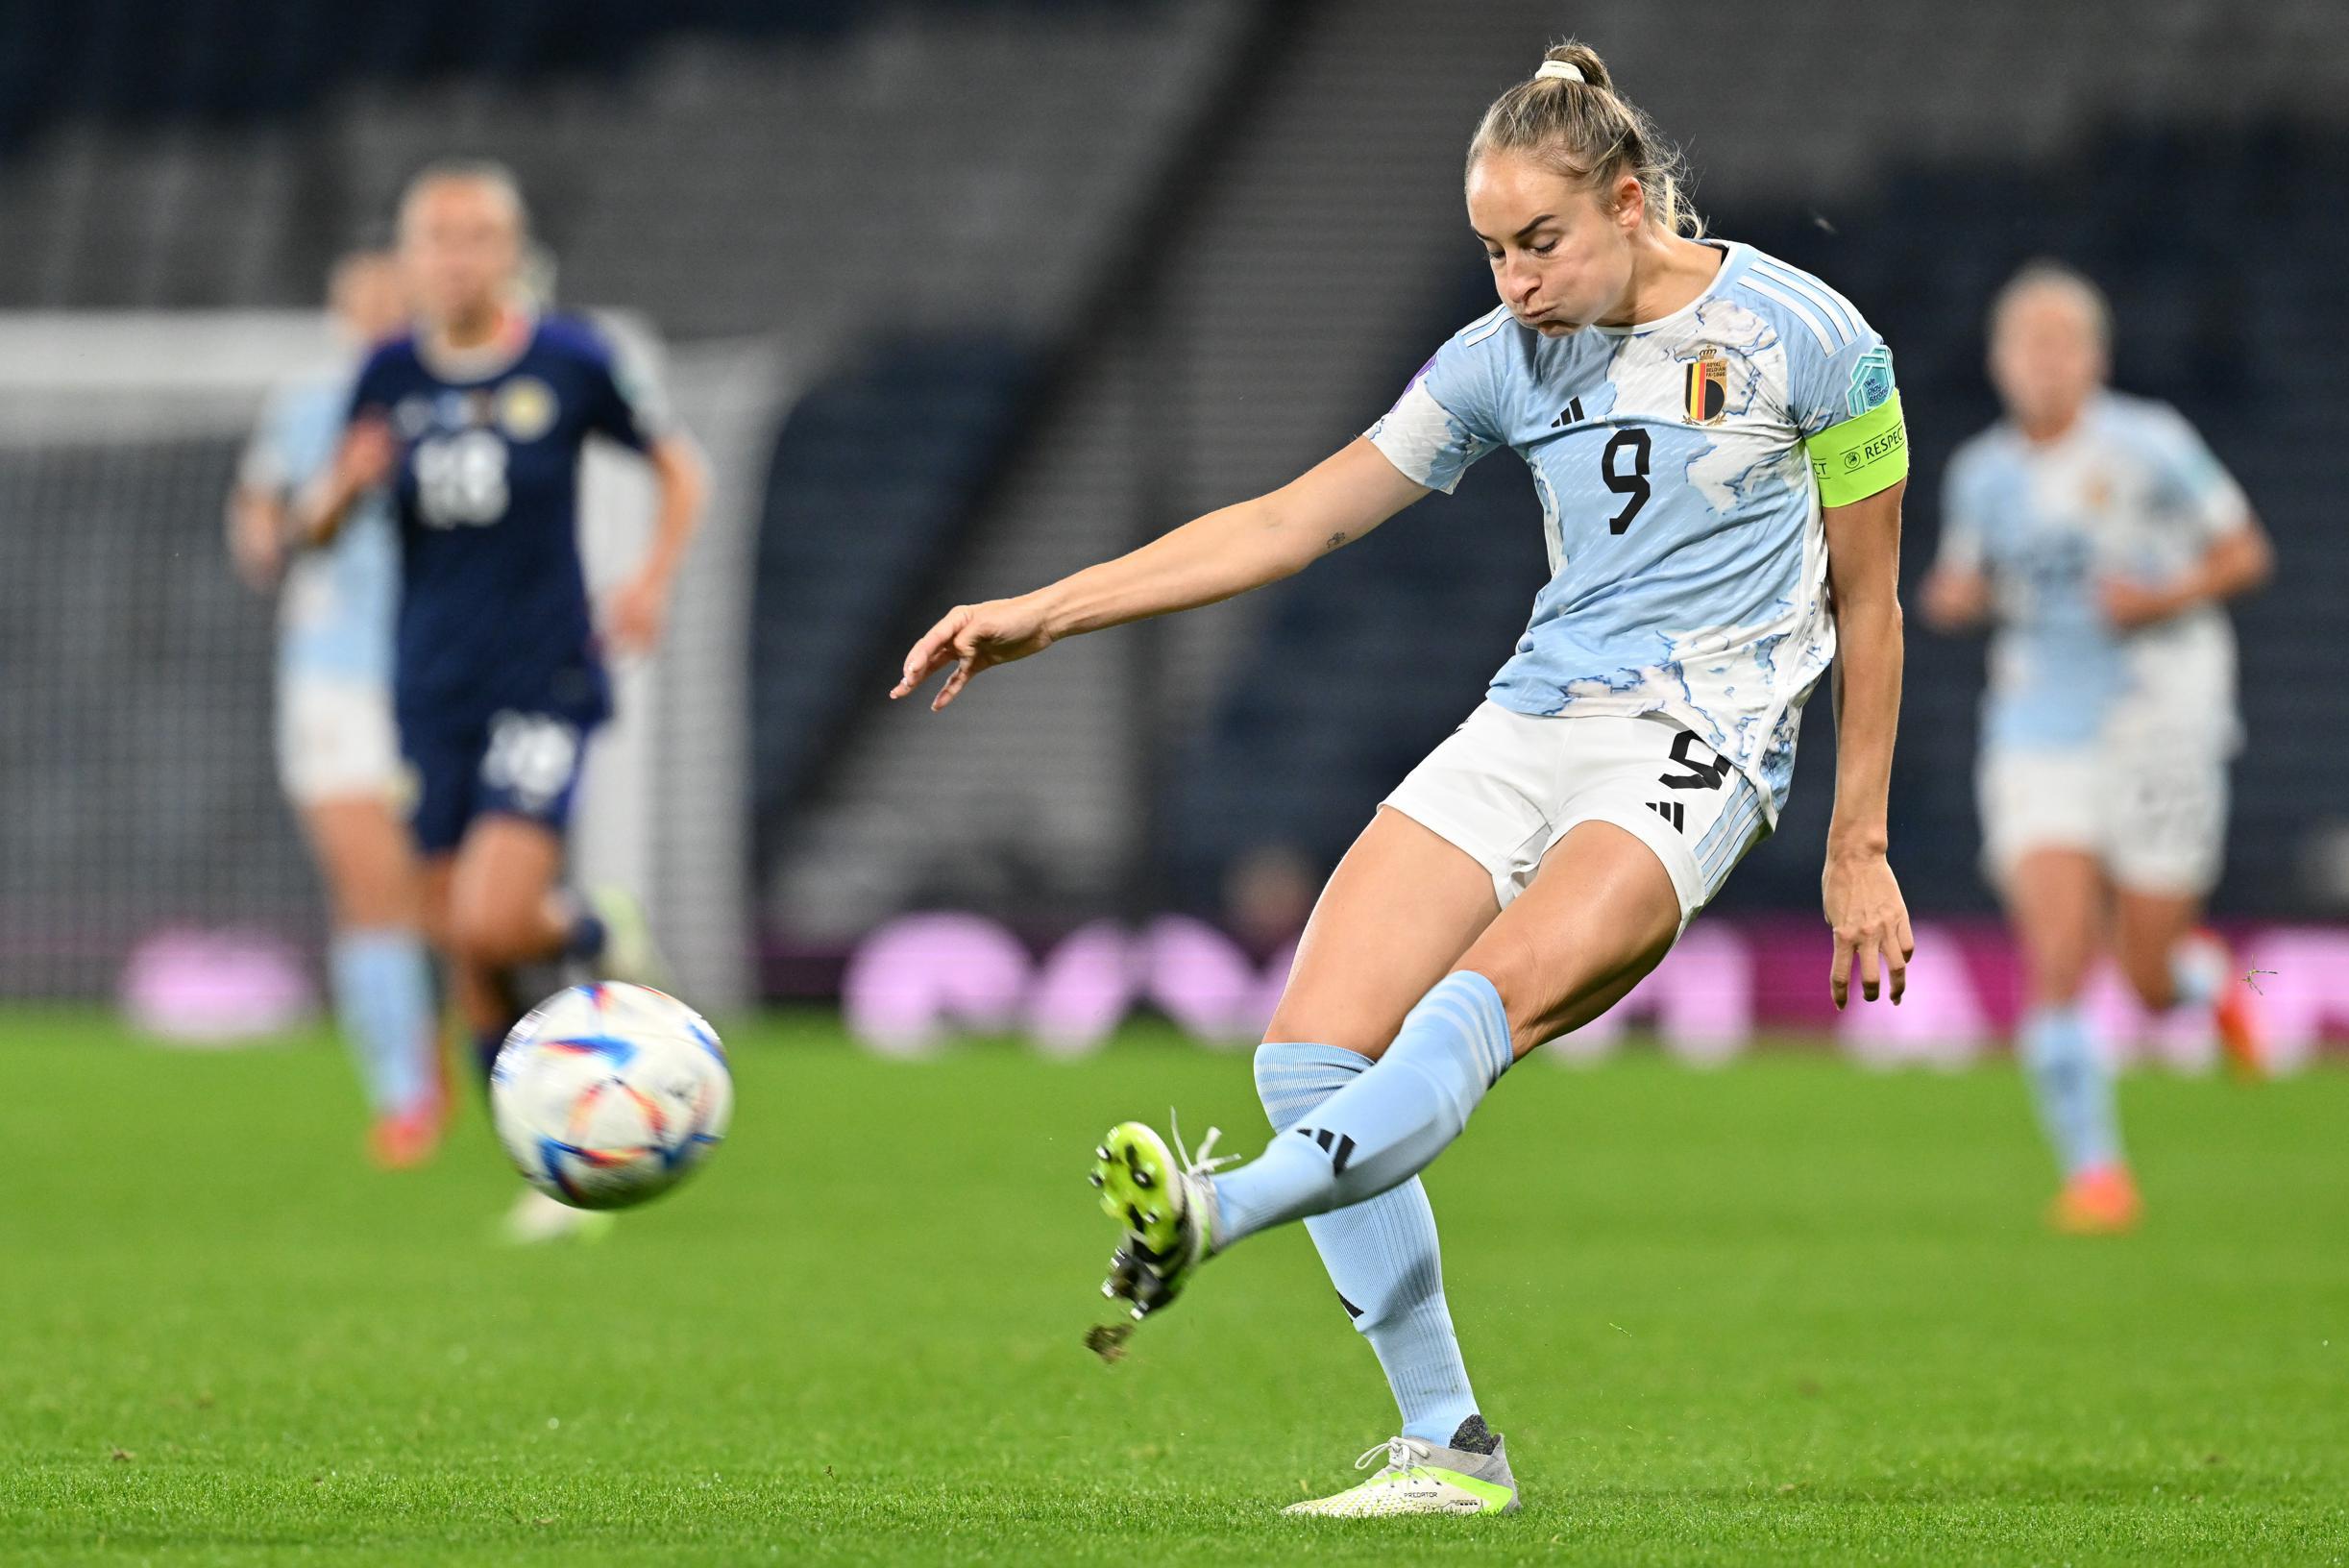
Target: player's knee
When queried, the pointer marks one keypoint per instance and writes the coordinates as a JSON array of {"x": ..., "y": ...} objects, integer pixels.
[{"x": 1530, "y": 1002}]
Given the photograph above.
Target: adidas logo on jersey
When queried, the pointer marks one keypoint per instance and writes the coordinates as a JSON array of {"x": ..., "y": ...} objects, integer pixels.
[
  {"x": 1572, "y": 414},
  {"x": 1673, "y": 812}
]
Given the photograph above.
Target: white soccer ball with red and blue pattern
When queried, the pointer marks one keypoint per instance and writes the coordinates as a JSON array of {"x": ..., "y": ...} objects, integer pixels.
[{"x": 608, "y": 1094}]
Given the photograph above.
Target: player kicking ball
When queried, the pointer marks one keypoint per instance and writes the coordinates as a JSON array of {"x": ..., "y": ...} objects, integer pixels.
[
  {"x": 2103, "y": 538},
  {"x": 1717, "y": 445},
  {"x": 477, "y": 421}
]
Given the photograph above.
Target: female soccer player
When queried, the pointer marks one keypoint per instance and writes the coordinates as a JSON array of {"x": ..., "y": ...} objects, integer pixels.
[
  {"x": 1715, "y": 444},
  {"x": 338, "y": 752},
  {"x": 2102, "y": 536},
  {"x": 477, "y": 421}
]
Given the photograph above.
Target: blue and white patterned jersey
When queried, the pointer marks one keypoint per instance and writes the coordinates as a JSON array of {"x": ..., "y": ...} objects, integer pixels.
[
  {"x": 1688, "y": 562},
  {"x": 2129, "y": 491},
  {"x": 337, "y": 604}
]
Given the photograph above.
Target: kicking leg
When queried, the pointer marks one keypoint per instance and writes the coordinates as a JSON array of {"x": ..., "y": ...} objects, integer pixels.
[{"x": 1600, "y": 915}]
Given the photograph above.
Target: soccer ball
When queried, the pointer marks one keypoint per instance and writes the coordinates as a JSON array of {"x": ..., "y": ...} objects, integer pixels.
[{"x": 608, "y": 1094}]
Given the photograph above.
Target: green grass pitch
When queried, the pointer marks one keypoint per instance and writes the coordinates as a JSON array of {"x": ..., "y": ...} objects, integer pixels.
[{"x": 1785, "y": 1312}]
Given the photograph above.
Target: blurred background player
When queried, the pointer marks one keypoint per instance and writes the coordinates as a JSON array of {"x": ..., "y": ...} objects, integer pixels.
[
  {"x": 2101, "y": 536},
  {"x": 1668, "y": 392},
  {"x": 476, "y": 420},
  {"x": 338, "y": 750}
]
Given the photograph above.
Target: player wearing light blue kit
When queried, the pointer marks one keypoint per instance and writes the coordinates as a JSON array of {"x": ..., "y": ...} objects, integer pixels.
[
  {"x": 338, "y": 752},
  {"x": 1716, "y": 442},
  {"x": 2101, "y": 536}
]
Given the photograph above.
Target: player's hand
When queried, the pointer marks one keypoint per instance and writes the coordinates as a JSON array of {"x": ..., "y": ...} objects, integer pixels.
[
  {"x": 1954, "y": 599},
  {"x": 369, "y": 451},
  {"x": 256, "y": 541},
  {"x": 972, "y": 638},
  {"x": 2129, "y": 605},
  {"x": 637, "y": 613},
  {"x": 1871, "y": 922}
]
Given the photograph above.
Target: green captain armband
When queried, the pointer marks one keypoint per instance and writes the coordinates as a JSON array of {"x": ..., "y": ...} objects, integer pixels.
[{"x": 1861, "y": 457}]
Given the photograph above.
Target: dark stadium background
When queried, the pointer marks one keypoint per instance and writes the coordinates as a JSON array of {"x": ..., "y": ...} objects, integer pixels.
[{"x": 1023, "y": 282}]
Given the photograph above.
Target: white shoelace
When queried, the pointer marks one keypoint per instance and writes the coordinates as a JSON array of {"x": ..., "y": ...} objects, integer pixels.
[
  {"x": 1201, "y": 1165},
  {"x": 1403, "y": 1453}
]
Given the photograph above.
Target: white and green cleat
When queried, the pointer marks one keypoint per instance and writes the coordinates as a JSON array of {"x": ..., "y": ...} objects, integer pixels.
[
  {"x": 1163, "y": 1199},
  {"x": 630, "y": 954},
  {"x": 1421, "y": 1478}
]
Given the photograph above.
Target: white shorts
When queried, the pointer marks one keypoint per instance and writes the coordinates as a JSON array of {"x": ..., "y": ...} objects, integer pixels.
[
  {"x": 337, "y": 738},
  {"x": 2154, "y": 813},
  {"x": 1505, "y": 786}
]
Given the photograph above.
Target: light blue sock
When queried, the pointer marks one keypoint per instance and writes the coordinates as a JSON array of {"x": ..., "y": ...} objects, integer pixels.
[
  {"x": 2198, "y": 964},
  {"x": 383, "y": 1001},
  {"x": 1387, "y": 1126},
  {"x": 1381, "y": 1256},
  {"x": 2073, "y": 1088}
]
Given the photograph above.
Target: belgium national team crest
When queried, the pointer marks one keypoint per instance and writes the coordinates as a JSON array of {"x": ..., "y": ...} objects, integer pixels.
[{"x": 1708, "y": 396}]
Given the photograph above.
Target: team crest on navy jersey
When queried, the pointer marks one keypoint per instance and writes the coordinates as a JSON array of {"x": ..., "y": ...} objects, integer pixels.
[
  {"x": 526, "y": 408},
  {"x": 1707, "y": 391}
]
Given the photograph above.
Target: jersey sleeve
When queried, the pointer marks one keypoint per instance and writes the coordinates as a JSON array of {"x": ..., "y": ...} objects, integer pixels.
[
  {"x": 1448, "y": 417},
  {"x": 265, "y": 465},
  {"x": 2191, "y": 479},
  {"x": 1843, "y": 397},
  {"x": 622, "y": 401}
]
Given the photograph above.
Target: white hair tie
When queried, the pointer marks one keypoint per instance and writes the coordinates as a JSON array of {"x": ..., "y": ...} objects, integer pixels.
[{"x": 1559, "y": 70}]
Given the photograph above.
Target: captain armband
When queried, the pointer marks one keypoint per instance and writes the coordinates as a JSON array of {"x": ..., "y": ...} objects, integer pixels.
[{"x": 1861, "y": 457}]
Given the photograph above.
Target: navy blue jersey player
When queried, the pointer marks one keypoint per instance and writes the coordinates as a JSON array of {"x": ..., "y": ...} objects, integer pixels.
[{"x": 477, "y": 421}]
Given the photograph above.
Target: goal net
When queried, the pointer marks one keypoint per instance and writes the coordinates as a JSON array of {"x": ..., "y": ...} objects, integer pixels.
[{"x": 136, "y": 771}]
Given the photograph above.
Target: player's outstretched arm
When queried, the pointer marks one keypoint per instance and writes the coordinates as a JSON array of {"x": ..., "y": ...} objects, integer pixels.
[
  {"x": 1206, "y": 559},
  {"x": 1863, "y": 899}
]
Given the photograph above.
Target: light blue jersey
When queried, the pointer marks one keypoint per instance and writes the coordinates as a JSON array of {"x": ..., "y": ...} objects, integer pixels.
[
  {"x": 1688, "y": 562},
  {"x": 336, "y": 607},
  {"x": 2129, "y": 491}
]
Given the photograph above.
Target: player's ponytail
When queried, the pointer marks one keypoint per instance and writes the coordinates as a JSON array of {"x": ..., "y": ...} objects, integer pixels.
[{"x": 1570, "y": 118}]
